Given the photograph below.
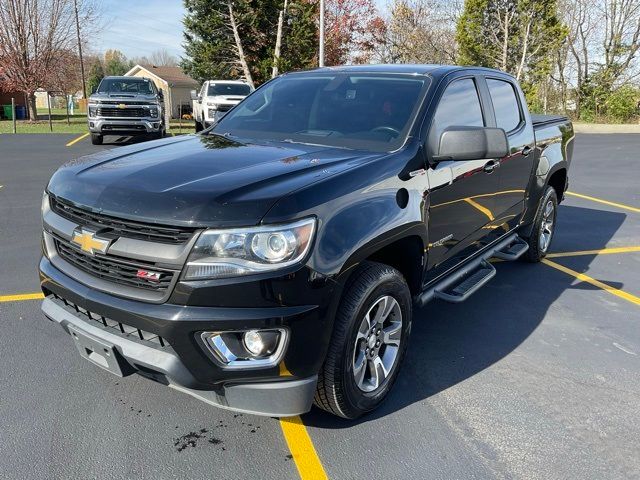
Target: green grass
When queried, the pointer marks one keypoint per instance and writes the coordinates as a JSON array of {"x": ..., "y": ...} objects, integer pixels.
[{"x": 77, "y": 124}]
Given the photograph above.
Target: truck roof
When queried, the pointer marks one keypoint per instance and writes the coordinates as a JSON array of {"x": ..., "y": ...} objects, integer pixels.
[
  {"x": 417, "y": 69},
  {"x": 123, "y": 77},
  {"x": 227, "y": 81}
]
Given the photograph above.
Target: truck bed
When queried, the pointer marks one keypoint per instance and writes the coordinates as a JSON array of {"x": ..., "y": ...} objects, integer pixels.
[{"x": 542, "y": 120}]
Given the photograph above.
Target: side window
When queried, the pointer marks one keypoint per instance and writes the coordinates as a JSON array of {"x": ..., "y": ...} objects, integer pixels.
[
  {"x": 505, "y": 104},
  {"x": 458, "y": 106}
]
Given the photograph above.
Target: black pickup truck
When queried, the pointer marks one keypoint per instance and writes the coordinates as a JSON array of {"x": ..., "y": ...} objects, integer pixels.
[{"x": 275, "y": 260}]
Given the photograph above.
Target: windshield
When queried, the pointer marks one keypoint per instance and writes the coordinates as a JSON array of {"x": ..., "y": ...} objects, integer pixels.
[
  {"x": 228, "y": 89},
  {"x": 114, "y": 85},
  {"x": 363, "y": 111}
]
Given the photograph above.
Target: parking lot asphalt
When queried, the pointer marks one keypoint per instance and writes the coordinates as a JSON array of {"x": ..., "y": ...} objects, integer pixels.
[{"x": 536, "y": 376}]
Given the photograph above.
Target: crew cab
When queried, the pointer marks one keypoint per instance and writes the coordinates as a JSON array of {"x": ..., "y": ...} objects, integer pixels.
[
  {"x": 215, "y": 99},
  {"x": 275, "y": 260},
  {"x": 126, "y": 106}
]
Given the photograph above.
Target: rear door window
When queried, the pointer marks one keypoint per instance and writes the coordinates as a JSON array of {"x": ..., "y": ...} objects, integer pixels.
[{"x": 505, "y": 104}]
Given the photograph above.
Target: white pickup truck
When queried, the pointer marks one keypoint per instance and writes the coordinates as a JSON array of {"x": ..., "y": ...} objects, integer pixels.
[{"x": 217, "y": 97}]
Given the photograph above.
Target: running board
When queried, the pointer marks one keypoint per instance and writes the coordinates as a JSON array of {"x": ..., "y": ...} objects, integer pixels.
[
  {"x": 467, "y": 280},
  {"x": 513, "y": 251},
  {"x": 459, "y": 292}
]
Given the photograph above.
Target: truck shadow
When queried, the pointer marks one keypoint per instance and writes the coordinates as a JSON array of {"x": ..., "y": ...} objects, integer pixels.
[
  {"x": 450, "y": 343},
  {"x": 122, "y": 140}
]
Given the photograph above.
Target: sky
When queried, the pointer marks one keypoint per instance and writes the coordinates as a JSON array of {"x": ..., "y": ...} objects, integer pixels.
[{"x": 139, "y": 27}]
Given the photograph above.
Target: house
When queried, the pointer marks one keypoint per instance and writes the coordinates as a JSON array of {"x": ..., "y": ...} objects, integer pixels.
[{"x": 174, "y": 83}]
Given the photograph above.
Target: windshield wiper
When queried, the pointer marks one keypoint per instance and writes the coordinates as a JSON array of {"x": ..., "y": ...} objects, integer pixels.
[{"x": 290, "y": 140}]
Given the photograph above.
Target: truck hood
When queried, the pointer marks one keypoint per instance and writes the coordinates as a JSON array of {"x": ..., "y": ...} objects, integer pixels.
[
  {"x": 196, "y": 180},
  {"x": 225, "y": 98},
  {"x": 124, "y": 97}
]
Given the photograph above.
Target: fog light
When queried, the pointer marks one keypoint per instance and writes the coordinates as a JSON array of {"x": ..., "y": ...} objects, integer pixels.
[
  {"x": 254, "y": 343},
  {"x": 260, "y": 343},
  {"x": 248, "y": 348}
]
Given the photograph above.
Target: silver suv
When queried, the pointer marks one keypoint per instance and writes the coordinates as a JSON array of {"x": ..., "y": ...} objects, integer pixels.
[{"x": 126, "y": 106}]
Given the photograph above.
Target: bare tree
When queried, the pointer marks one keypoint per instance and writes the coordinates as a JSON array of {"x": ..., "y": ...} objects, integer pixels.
[
  {"x": 162, "y": 58},
  {"x": 621, "y": 39},
  {"x": 600, "y": 50},
  {"x": 34, "y": 35},
  {"x": 242, "y": 59},
  {"x": 422, "y": 31},
  {"x": 276, "y": 51}
]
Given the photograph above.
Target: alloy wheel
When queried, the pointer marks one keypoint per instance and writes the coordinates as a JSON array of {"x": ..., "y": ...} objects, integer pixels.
[
  {"x": 546, "y": 229},
  {"x": 377, "y": 344}
]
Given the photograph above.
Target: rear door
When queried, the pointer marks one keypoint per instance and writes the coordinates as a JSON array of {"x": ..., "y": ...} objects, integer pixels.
[
  {"x": 516, "y": 168},
  {"x": 461, "y": 194}
]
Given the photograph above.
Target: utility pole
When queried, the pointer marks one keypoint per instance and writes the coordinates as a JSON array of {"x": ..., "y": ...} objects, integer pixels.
[
  {"x": 84, "y": 85},
  {"x": 321, "y": 54}
]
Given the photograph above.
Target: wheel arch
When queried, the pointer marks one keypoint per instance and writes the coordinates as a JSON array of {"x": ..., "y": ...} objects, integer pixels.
[
  {"x": 558, "y": 180},
  {"x": 405, "y": 252}
]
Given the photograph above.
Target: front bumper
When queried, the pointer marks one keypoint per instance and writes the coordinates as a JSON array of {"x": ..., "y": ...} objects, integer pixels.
[
  {"x": 182, "y": 361},
  {"x": 106, "y": 126},
  {"x": 277, "y": 399}
]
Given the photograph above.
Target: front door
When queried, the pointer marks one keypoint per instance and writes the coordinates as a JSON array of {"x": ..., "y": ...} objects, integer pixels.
[{"x": 461, "y": 194}]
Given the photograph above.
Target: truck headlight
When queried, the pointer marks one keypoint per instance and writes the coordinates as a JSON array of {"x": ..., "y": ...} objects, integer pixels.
[
  {"x": 245, "y": 251},
  {"x": 153, "y": 112},
  {"x": 44, "y": 206},
  {"x": 93, "y": 110},
  {"x": 212, "y": 112}
]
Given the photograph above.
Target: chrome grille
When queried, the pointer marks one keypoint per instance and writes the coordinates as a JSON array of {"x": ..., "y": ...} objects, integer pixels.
[
  {"x": 122, "y": 329},
  {"x": 122, "y": 112},
  {"x": 120, "y": 227},
  {"x": 115, "y": 270}
]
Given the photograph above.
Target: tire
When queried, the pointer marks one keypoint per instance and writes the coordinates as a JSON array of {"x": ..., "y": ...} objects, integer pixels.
[
  {"x": 543, "y": 227},
  {"x": 96, "y": 139},
  {"x": 372, "y": 286}
]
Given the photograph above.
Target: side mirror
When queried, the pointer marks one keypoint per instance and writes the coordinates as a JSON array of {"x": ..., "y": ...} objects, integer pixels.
[
  {"x": 194, "y": 95},
  {"x": 470, "y": 143}
]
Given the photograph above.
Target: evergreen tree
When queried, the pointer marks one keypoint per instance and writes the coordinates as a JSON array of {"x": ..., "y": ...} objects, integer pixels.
[
  {"x": 115, "y": 63},
  {"x": 211, "y": 48},
  {"x": 517, "y": 36},
  {"x": 96, "y": 73}
]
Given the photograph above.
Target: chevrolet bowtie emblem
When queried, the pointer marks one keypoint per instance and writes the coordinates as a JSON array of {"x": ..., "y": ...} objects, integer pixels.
[{"x": 88, "y": 242}]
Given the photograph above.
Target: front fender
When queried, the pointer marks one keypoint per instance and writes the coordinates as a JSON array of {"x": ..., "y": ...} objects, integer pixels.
[{"x": 359, "y": 211}]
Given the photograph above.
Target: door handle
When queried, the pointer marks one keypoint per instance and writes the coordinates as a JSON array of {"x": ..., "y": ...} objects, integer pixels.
[
  {"x": 491, "y": 165},
  {"x": 526, "y": 150}
]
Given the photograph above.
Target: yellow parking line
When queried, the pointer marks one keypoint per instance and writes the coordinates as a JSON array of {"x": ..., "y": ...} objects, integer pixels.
[
  {"x": 24, "y": 296},
  {"x": 284, "y": 371},
  {"x": 76, "y": 140},
  {"x": 603, "y": 251},
  {"x": 484, "y": 210},
  {"x": 605, "y": 202},
  {"x": 302, "y": 449},
  {"x": 592, "y": 281}
]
